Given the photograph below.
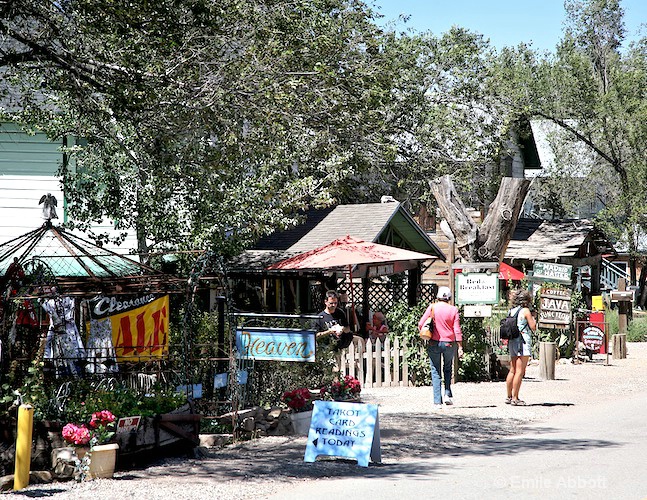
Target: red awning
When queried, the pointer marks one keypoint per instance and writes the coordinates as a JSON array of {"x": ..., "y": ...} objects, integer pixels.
[{"x": 506, "y": 272}]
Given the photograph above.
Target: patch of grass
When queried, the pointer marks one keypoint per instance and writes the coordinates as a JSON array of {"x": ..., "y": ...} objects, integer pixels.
[{"x": 637, "y": 329}]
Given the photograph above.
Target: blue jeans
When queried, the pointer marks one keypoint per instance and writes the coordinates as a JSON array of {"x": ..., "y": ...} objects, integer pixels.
[{"x": 436, "y": 351}]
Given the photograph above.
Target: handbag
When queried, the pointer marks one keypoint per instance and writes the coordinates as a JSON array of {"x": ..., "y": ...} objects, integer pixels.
[{"x": 428, "y": 327}]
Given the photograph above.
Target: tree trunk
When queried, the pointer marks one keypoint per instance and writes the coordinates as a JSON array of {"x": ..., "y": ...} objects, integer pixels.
[{"x": 489, "y": 242}]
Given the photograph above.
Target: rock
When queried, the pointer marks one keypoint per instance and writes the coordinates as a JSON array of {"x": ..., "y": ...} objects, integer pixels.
[
  {"x": 67, "y": 454},
  {"x": 63, "y": 470},
  {"x": 215, "y": 440},
  {"x": 40, "y": 477},
  {"x": 274, "y": 414},
  {"x": 249, "y": 423},
  {"x": 6, "y": 483}
]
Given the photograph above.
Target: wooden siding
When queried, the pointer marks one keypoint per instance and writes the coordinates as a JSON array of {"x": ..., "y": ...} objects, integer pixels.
[
  {"x": 27, "y": 155},
  {"x": 29, "y": 165}
]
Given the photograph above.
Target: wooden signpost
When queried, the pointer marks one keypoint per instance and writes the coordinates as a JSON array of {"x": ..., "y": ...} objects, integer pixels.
[
  {"x": 554, "y": 312},
  {"x": 554, "y": 307},
  {"x": 624, "y": 298}
]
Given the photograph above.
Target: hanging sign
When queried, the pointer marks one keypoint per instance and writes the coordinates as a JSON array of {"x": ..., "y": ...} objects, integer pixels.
[
  {"x": 549, "y": 271},
  {"x": 278, "y": 344},
  {"x": 349, "y": 430},
  {"x": 480, "y": 311},
  {"x": 554, "y": 307},
  {"x": 138, "y": 326},
  {"x": 477, "y": 288}
]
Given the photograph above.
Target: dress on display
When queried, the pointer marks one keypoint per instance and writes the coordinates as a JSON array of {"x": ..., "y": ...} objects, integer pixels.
[
  {"x": 64, "y": 345},
  {"x": 101, "y": 351}
]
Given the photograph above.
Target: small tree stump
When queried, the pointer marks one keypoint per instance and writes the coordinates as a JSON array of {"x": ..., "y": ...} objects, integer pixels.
[
  {"x": 619, "y": 346},
  {"x": 547, "y": 354}
]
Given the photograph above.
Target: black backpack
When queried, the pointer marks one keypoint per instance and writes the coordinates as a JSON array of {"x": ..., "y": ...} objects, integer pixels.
[{"x": 509, "y": 328}]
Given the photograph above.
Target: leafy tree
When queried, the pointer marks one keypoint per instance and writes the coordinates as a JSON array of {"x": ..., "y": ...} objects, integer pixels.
[
  {"x": 207, "y": 122},
  {"x": 594, "y": 92}
]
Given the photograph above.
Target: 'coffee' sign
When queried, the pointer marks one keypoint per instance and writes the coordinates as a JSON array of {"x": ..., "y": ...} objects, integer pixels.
[{"x": 554, "y": 307}]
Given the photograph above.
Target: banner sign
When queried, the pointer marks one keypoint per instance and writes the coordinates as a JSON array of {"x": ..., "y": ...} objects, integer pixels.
[
  {"x": 139, "y": 326},
  {"x": 277, "y": 344},
  {"x": 554, "y": 307},
  {"x": 550, "y": 271},
  {"x": 477, "y": 288},
  {"x": 350, "y": 430}
]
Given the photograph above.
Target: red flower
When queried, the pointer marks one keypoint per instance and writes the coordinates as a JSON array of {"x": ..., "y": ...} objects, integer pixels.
[{"x": 298, "y": 399}]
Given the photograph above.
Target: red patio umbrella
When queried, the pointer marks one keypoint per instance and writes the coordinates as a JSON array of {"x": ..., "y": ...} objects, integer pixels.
[{"x": 346, "y": 252}]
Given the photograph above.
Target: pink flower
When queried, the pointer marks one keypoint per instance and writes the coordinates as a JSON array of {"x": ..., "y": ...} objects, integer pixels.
[
  {"x": 76, "y": 434},
  {"x": 101, "y": 430}
]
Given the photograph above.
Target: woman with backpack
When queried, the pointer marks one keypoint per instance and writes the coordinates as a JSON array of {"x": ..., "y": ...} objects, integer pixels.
[{"x": 520, "y": 348}]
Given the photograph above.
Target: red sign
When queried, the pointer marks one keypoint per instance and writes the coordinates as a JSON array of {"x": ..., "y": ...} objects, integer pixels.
[
  {"x": 128, "y": 424},
  {"x": 592, "y": 338}
]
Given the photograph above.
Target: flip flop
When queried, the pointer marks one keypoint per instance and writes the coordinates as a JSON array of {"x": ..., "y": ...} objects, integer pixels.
[
  {"x": 517, "y": 402},
  {"x": 508, "y": 401}
]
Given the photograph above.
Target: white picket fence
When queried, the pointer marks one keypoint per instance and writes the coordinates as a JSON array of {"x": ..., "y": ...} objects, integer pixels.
[{"x": 376, "y": 364}]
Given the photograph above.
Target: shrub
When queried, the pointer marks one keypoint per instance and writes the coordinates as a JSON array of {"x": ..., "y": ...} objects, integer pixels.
[
  {"x": 637, "y": 329},
  {"x": 403, "y": 324},
  {"x": 473, "y": 366}
]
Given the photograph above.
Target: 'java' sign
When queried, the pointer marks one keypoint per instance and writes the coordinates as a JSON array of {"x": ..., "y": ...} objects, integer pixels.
[
  {"x": 278, "y": 344},
  {"x": 554, "y": 307}
]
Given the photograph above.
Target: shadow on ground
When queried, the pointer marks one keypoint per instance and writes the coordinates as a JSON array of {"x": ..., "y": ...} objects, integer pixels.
[{"x": 408, "y": 441}]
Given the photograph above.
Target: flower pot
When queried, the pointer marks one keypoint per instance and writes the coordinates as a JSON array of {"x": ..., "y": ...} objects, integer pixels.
[
  {"x": 103, "y": 460},
  {"x": 301, "y": 422}
]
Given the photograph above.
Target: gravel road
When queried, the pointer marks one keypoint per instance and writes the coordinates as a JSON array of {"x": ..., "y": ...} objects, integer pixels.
[{"x": 411, "y": 429}]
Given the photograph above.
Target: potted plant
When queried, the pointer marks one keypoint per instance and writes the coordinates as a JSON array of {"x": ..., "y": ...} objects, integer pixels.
[
  {"x": 95, "y": 454},
  {"x": 300, "y": 403},
  {"x": 345, "y": 389}
]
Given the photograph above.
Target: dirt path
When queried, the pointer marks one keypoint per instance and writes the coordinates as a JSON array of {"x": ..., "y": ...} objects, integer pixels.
[{"x": 415, "y": 435}]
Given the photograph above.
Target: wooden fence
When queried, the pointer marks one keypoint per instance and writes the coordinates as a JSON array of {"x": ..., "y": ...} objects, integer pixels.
[{"x": 376, "y": 364}]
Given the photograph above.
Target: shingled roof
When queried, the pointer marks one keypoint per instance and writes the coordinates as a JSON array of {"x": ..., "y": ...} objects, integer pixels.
[
  {"x": 534, "y": 239},
  {"x": 385, "y": 223}
]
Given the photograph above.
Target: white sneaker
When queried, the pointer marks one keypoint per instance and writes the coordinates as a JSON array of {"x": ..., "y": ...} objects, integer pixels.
[{"x": 448, "y": 400}]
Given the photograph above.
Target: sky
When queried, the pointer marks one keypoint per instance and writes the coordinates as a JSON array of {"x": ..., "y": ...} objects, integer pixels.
[{"x": 504, "y": 22}]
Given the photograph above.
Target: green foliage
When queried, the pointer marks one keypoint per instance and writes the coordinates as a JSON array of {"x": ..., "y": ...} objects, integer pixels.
[
  {"x": 85, "y": 399},
  {"x": 473, "y": 366},
  {"x": 611, "y": 317},
  {"x": 637, "y": 329},
  {"x": 403, "y": 324}
]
